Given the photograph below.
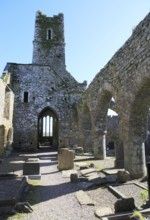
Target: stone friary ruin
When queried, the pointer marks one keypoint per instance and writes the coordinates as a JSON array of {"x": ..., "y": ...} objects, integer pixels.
[{"x": 42, "y": 104}]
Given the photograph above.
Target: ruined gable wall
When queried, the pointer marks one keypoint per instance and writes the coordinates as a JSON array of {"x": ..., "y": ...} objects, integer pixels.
[
  {"x": 46, "y": 88},
  {"x": 46, "y": 84}
]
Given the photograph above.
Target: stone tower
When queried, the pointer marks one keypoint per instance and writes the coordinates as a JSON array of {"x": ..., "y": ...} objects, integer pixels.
[
  {"x": 48, "y": 44},
  {"x": 45, "y": 92}
]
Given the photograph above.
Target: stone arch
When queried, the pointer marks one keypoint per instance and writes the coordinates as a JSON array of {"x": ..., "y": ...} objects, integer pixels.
[
  {"x": 99, "y": 125},
  {"x": 113, "y": 136},
  {"x": 48, "y": 128},
  {"x": 112, "y": 132}
]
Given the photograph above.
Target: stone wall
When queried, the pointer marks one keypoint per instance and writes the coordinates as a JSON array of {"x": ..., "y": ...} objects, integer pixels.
[
  {"x": 126, "y": 78},
  {"x": 46, "y": 88},
  {"x": 81, "y": 116},
  {"x": 2, "y": 100},
  {"x": 6, "y": 115},
  {"x": 112, "y": 129},
  {"x": 45, "y": 85},
  {"x": 49, "y": 50}
]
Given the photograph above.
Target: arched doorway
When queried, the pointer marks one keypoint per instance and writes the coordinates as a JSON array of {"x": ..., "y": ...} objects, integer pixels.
[{"x": 47, "y": 129}]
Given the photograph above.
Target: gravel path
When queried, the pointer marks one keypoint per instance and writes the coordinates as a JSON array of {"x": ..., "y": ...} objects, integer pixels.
[{"x": 54, "y": 197}]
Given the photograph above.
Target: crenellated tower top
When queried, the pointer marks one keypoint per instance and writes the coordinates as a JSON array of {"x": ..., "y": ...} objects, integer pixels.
[{"x": 48, "y": 43}]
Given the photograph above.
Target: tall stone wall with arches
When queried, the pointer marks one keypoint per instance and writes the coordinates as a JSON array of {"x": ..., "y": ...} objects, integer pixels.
[
  {"x": 126, "y": 79},
  {"x": 45, "y": 88}
]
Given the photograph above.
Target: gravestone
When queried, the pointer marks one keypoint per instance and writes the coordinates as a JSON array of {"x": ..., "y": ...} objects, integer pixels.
[
  {"x": 31, "y": 167},
  {"x": 65, "y": 159}
]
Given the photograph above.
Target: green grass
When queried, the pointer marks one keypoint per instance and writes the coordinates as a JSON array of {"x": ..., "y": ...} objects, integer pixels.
[
  {"x": 99, "y": 167},
  {"x": 144, "y": 195},
  {"x": 137, "y": 214}
]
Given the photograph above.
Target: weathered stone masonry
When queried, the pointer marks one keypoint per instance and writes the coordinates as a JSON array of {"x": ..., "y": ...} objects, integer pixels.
[
  {"x": 126, "y": 78},
  {"x": 44, "y": 87},
  {"x": 6, "y": 114}
]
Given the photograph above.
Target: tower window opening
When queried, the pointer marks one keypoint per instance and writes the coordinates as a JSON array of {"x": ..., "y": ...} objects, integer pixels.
[
  {"x": 26, "y": 97},
  {"x": 49, "y": 34}
]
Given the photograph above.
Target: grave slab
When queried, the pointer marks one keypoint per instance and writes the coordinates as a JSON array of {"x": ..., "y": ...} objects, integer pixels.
[
  {"x": 93, "y": 177},
  {"x": 84, "y": 199},
  {"x": 112, "y": 171},
  {"x": 88, "y": 172},
  {"x": 103, "y": 211},
  {"x": 85, "y": 185},
  {"x": 11, "y": 190},
  {"x": 34, "y": 177},
  {"x": 67, "y": 173},
  {"x": 97, "y": 180},
  {"x": 81, "y": 165}
]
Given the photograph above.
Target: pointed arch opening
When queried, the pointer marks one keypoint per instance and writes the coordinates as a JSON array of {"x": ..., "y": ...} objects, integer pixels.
[
  {"x": 47, "y": 129},
  {"x": 86, "y": 130},
  {"x": 112, "y": 128}
]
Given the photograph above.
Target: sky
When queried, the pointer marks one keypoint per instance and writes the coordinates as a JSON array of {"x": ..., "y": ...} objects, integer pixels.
[{"x": 94, "y": 30}]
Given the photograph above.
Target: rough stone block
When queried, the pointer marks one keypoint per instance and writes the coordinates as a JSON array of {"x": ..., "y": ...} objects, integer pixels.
[
  {"x": 123, "y": 176},
  {"x": 74, "y": 178},
  {"x": 65, "y": 159},
  {"x": 79, "y": 151},
  {"x": 124, "y": 205}
]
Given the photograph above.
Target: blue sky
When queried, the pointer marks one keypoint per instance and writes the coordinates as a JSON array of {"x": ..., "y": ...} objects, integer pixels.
[{"x": 94, "y": 30}]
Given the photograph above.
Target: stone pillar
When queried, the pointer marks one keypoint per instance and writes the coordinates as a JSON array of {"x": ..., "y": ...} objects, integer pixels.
[
  {"x": 134, "y": 159},
  {"x": 2, "y": 139},
  {"x": 148, "y": 180},
  {"x": 86, "y": 140},
  {"x": 119, "y": 154},
  {"x": 100, "y": 144}
]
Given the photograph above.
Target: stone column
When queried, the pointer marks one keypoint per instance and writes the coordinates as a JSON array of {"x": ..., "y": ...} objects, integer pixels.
[
  {"x": 134, "y": 159},
  {"x": 119, "y": 154},
  {"x": 2, "y": 139},
  {"x": 100, "y": 144}
]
